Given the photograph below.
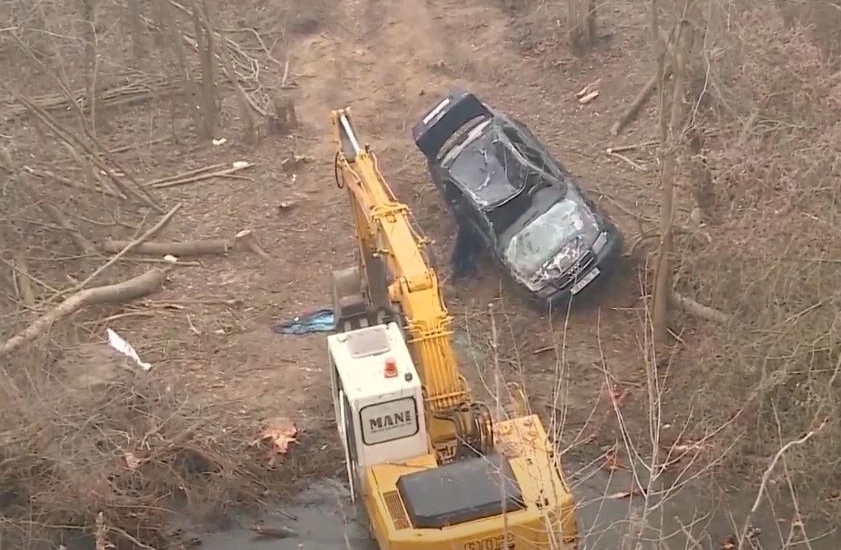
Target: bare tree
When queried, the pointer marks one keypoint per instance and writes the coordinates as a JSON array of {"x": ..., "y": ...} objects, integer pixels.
[
  {"x": 581, "y": 25},
  {"x": 203, "y": 24},
  {"x": 670, "y": 137},
  {"x": 91, "y": 65}
]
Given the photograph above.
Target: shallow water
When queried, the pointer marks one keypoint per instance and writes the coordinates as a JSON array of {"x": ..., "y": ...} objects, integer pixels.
[{"x": 322, "y": 518}]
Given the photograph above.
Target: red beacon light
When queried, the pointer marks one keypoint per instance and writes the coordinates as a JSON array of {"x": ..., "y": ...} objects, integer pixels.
[{"x": 390, "y": 367}]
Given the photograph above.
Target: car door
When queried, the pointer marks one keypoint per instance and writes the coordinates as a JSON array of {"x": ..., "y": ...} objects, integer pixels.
[
  {"x": 467, "y": 214},
  {"x": 452, "y": 195},
  {"x": 481, "y": 226}
]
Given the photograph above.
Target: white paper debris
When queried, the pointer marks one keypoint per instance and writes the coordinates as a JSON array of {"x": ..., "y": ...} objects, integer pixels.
[
  {"x": 241, "y": 164},
  {"x": 220, "y": 141},
  {"x": 116, "y": 342},
  {"x": 170, "y": 259}
]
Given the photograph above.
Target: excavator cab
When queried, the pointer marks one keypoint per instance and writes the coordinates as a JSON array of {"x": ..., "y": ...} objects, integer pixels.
[{"x": 377, "y": 399}]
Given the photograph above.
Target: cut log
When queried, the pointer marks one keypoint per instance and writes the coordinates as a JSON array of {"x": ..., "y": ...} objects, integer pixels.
[
  {"x": 183, "y": 249},
  {"x": 699, "y": 310}
]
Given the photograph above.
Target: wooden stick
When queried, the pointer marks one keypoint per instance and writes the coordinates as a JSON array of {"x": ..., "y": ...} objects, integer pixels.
[
  {"x": 201, "y": 177},
  {"x": 139, "y": 286},
  {"x": 633, "y": 109},
  {"x": 22, "y": 278},
  {"x": 622, "y": 157},
  {"x": 699, "y": 310},
  {"x": 584, "y": 100},
  {"x": 183, "y": 175},
  {"x": 183, "y": 249},
  {"x": 631, "y": 147}
]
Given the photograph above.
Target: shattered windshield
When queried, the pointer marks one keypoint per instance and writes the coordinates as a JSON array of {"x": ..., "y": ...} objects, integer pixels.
[{"x": 535, "y": 244}]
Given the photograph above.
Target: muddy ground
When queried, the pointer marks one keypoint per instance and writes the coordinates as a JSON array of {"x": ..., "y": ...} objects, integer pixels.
[{"x": 388, "y": 61}]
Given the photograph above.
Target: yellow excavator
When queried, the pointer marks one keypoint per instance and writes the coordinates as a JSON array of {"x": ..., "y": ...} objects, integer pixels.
[{"x": 431, "y": 467}]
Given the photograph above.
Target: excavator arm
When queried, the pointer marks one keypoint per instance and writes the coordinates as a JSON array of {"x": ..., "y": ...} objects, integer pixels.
[{"x": 394, "y": 281}]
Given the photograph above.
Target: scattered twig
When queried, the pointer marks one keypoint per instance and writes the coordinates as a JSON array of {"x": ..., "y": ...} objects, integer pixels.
[
  {"x": 179, "y": 263},
  {"x": 183, "y": 175},
  {"x": 46, "y": 174},
  {"x": 22, "y": 280},
  {"x": 131, "y": 289},
  {"x": 622, "y": 157},
  {"x": 135, "y": 190},
  {"x": 766, "y": 476},
  {"x": 630, "y": 147},
  {"x": 589, "y": 98},
  {"x": 237, "y": 166},
  {"x": 82, "y": 244},
  {"x": 31, "y": 277},
  {"x": 632, "y": 111},
  {"x": 588, "y": 89},
  {"x": 285, "y": 74}
]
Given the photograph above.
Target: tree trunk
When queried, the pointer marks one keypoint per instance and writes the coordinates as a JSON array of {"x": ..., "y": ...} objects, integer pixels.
[{"x": 670, "y": 138}]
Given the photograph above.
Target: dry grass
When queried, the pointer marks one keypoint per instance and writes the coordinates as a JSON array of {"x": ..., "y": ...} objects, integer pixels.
[
  {"x": 84, "y": 434},
  {"x": 90, "y": 445},
  {"x": 769, "y": 255}
]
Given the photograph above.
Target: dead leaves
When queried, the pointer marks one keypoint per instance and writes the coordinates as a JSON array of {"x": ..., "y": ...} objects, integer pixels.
[
  {"x": 624, "y": 494},
  {"x": 280, "y": 432},
  {"x": 611, "y": 461},
  {"x": 729, "y": 543},
  {"x": 132, "y": 461},
  {"x": 615, "y": 395}
]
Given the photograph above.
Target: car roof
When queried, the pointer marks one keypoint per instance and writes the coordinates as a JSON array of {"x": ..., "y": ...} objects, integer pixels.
[{"x": 485, "y": 165}]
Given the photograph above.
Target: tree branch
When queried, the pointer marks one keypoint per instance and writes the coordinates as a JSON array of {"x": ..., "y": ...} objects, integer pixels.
[{"x": 139, "y": 286}]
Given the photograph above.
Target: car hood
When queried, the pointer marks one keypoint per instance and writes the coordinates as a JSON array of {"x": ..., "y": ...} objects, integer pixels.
[
  {"x": 585, "y": 231},
  {"x": 563, "y": 237}
]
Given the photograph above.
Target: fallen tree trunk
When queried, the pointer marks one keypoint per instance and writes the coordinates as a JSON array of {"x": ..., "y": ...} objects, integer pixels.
[
  {"x": 134, "y": 288},
  {"x": 700, "y": 310},
  {"x": 633, "y": 110},
  {"x": 182, "y": 249}
]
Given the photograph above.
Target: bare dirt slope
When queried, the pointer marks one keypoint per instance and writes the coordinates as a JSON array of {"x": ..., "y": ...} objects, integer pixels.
[{"x": 389, "y": 61}]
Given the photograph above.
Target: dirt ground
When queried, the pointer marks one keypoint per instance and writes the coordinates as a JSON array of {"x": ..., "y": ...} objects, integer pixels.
[
  {"x": 389, "y": 61},
  {"x": 367, "y": 56}
]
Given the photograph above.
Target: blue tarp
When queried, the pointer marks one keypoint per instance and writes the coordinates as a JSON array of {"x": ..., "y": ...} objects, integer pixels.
[{"x": 321, "y": 320}]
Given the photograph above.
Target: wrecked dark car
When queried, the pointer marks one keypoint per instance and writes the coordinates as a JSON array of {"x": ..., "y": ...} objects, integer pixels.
[{"x": 512, "y": 198}]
